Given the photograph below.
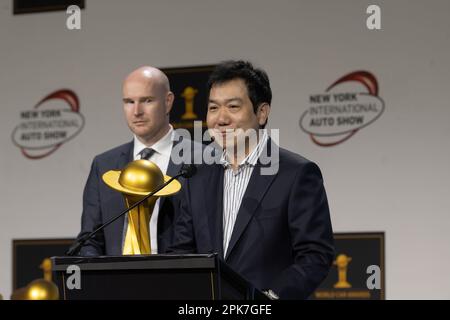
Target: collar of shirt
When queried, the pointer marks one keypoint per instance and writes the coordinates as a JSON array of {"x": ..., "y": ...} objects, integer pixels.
[
  {"x": 250, "y": 159},
  {"x": 163, "y": 146}
]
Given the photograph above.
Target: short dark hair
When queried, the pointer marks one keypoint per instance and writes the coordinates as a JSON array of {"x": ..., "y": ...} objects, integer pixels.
[{"x": 256, "y": 80}]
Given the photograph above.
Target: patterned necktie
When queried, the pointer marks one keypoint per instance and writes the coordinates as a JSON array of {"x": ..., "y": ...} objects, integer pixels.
[{"x": 147, "y": 153}]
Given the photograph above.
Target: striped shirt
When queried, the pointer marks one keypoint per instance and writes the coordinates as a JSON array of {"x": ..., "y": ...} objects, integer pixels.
[{"x": 234, "y": 185}]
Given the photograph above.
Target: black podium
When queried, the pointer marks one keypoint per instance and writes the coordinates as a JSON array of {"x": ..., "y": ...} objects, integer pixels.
[{"x": 159, "y": 277}]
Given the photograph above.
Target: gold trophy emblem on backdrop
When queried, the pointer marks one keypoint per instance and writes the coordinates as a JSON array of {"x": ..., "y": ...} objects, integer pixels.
[
  {"x": 342, "y": 262},
  {"x": 135, "y": 181},
  {"x": 188, "y": 94}
]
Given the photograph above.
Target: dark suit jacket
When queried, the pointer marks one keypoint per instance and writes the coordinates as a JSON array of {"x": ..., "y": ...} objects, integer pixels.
[
  {"x": 101, "y": 203},
  {"x": 282, "y": 238}
]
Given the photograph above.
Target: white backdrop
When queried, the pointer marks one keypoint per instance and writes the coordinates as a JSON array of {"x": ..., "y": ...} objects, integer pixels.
[{"x": 392, "y": 176}]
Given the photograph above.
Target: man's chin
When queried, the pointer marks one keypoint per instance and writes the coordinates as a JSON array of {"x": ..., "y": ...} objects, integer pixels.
[{"x": 143, "y": 134}]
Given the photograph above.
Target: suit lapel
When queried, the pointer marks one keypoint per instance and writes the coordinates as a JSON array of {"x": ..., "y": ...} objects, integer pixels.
[
  {"x": 254, "y": 193},
  {"x": 126, "y": 155},
  {"x": 124, "y": 158},
  {"x": 256, "y": 189},
  {"x": 213, "y": 195},
  {"x": 172, "y": 169}
]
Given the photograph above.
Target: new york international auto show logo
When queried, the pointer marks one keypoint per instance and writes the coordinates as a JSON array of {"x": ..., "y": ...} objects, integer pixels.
[
  {"x": 348, "y": 105},
  {"x": 49, "y": 124}
]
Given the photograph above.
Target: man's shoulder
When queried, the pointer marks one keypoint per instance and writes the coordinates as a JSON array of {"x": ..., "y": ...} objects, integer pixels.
[
  {"x": 284, "y": 157},
  {"x": 289, "y": 158},
  {"x": 292, "y": 163},
  {"x": 115, "y": 152}
]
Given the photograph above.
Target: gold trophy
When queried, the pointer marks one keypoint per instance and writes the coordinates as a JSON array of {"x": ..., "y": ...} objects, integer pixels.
[
  {"x": 342, "y": 262},
  {"x": 135, "y": 181},
  {"x": 188, "y": 94},
  {"x": 39, "y": 289}
]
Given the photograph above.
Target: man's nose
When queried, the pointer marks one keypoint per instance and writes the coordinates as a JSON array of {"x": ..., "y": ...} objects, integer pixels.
[
  {"x": 223, "y": 118},
  {"x": 137, "y": 109}
]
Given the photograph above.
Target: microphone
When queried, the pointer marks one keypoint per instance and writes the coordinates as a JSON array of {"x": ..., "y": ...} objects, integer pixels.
[{"x": 186, "y": 171}]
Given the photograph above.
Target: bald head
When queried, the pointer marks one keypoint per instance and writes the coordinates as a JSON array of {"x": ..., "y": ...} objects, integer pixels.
[
  {"x": 148, "y": 74},
  {"x": 147, "y": 103}
]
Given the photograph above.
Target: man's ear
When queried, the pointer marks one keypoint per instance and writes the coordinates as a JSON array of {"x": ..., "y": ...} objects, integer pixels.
[
  {"x": 170, "y": 97},
  {"x": 263, "y": 113}
]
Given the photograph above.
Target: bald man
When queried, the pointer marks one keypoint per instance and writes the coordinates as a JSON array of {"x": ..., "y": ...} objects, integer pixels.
[{"x": 147, "y": 101}]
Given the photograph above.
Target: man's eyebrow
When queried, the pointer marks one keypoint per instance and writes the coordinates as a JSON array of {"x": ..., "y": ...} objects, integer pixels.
[
  {"x": 145, "y": 98},
  {"x": 226, "y": 100},
  {"x": 140, "y": 98}
]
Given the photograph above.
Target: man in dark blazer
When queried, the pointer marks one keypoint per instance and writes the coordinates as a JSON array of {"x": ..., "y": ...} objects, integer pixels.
[
  {"x": 268, "y": 220},
  {"x": 147, "y": 102}
]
